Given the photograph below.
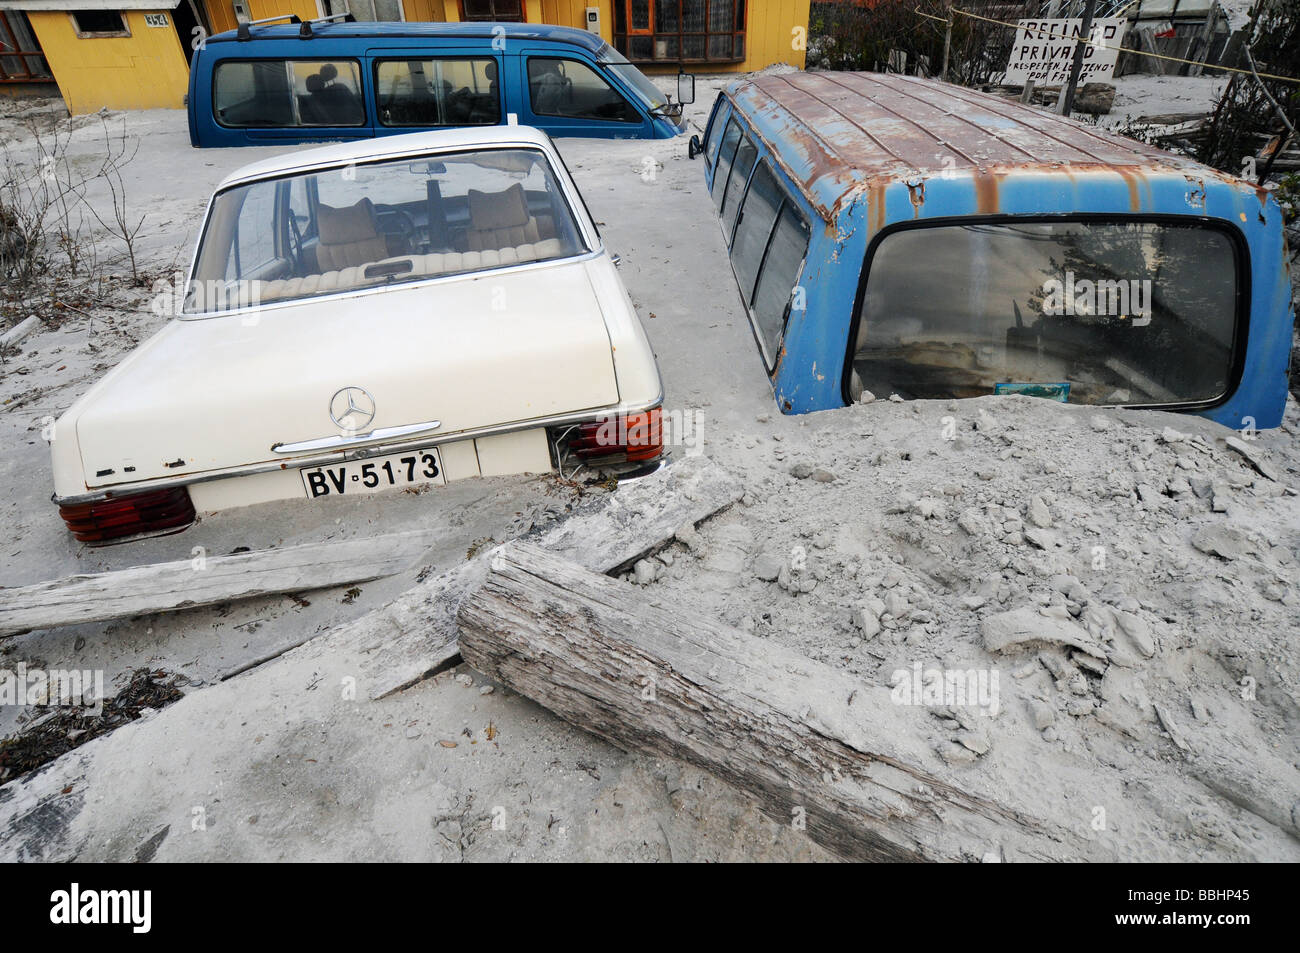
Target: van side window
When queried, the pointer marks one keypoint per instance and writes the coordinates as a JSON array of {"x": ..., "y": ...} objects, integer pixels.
[
  {"x": 746, "y": 154},
  {"x": 438, "y": 92},
  {"x": 770, "y": 245},
  {"x": 726, "y": 155},
  {"x": 573, "y": 90},
  {"x": 713, "y": 134},
  {"x": 274, "y": 93}
]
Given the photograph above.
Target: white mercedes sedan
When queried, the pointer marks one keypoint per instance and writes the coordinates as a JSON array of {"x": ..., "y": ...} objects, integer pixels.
[{"x": 369, "y": 316}]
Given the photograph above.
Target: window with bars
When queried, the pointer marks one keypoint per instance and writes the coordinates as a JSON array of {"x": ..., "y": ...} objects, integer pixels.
[
  {"x": 501, "y": 11},
  {"x": 680, "y": 31}
]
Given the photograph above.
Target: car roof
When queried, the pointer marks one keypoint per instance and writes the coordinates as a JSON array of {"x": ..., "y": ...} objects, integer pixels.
[
  {"x": 543, "y": 32},
  {"x": 832, "y": 132},
  {"x": 388, "y": 147}
]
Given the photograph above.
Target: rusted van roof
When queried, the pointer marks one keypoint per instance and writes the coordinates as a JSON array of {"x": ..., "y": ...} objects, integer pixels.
[{"x": 834, "y": 130}]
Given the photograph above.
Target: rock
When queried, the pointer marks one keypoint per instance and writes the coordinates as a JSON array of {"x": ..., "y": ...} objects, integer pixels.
[
  {"x": 1095, "y": 99},
  {"x": 971, "y": 521},
  {"x": 768, "y": 566},
  {"x": 823, "y": 476},
  {"x": 801, "y": 471},
  {"x": 954, "y": 753},
  {"x": 1079, "y": 707},
  {"x": 974, "y": 741},
  {"x": 1043, "y": 714},
  {"x": 1170, "y": 726},
  {"x": 465, "y": 679},
  {"x": 1042, "y": 538},
  {"x": 487, "y": 689},
  {"x": 644, "y": 572},
  {"x": 868, "y": 622},
  {"x": 1137, "y": 630},
  {"x": 930, "y": 508},
  {"x": 1039, "y": 514},
  {"x": 866, "y": 397},
  {"x": 1255, "y": 458},
  {"x": 1170, "y": 435},
  {"x": 1099, "y": 423},
  {"x": 1049, "y": 733},
  {"x": 1008, "y": 631},
  {"x": 894, "y": 398},
  {"x": 1226, "y": 542}
]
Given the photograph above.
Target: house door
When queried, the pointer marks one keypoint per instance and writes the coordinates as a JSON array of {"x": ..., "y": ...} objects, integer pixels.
[{"x": 185, "y": 18}]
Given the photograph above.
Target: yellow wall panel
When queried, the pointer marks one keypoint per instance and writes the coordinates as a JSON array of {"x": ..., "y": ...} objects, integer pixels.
[{"x": 145, "y": 70}]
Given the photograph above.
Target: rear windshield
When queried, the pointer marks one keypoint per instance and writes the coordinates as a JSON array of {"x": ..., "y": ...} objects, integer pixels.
[
  {"x": 1134, "y": 313},
  {"x": 382, "y": 223}
]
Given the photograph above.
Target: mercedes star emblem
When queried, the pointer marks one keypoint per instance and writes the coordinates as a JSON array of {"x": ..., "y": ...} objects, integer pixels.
[{"x": 352, "y": 409}]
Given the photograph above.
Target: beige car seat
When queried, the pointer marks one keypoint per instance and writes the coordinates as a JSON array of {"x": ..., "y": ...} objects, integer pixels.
[
  {"x": 500, "y": 220},
  {"x": 349, "y": 236}
]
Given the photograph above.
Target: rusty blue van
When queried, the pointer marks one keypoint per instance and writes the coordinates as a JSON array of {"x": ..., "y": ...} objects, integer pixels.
[{"x": 899, "y": 235}]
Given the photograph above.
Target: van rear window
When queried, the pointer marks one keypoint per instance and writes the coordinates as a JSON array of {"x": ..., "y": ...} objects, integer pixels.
[
  {"x": 1131, "y": 313},
  {"x": 279, "y": 93},
  {"x": 438, "y": 92}
]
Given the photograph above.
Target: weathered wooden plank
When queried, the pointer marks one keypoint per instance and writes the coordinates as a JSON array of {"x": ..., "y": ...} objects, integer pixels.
[
  {"x": 164, "y": 587},
  {"x": 415, "y": 635},
  {"x": 802, "y": 738}
]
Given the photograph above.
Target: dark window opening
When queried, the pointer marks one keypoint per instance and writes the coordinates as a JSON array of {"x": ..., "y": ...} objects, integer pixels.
[
  {"x": 99, "y": 22},
  {"x": 680, "y": 31},
  {"x": 573, "y": 90},
  {"x": 767, "y": 256},
  {"x": 280, "y": 93},
  {"x": 503, "y": 11},
  {"x": 1111, "y": 313},
  {"x": 445, "y": 91},
  {"x": 21, "y": 58}
]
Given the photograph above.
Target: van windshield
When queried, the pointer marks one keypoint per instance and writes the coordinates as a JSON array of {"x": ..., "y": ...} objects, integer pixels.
[
  {"x": 1129, "y": 313},
  {"x": 381, "y": 223},
  {"x": 637, "y": 81}
]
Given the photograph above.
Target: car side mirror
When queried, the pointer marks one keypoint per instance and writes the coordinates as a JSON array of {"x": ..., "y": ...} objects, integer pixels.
[
  {"x": 685, "y": 88},
  {"x": 693, "y": 147}
]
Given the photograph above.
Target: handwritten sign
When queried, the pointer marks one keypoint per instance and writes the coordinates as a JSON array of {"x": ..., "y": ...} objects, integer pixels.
[{"x": 1044, "y": 50}]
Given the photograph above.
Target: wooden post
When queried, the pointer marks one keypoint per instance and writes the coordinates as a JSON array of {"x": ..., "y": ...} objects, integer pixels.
[{"x": 1066, "y": 101}]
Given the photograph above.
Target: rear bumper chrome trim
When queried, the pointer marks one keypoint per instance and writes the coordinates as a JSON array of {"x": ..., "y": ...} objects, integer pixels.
[{"x": 343, "y": 441}]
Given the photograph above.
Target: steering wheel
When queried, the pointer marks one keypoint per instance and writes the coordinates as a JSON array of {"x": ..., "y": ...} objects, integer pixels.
[{"x": 405, "y": 226}]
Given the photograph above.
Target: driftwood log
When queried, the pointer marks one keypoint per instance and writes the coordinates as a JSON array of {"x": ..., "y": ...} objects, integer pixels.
[
  {"x": 186, "y": 583},
  {"x": 814, "y": 746}
]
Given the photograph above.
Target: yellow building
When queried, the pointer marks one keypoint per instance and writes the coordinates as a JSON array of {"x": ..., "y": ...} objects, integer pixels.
[{"x": 134, "y": 54}]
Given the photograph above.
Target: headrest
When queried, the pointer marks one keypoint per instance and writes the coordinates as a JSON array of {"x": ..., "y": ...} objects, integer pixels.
[
  {"x": 314, "y": 83},
  {"x": 329, "y": 72},
  {"x": 508, "y": 209},
  {"x": 339, "y": 226}
]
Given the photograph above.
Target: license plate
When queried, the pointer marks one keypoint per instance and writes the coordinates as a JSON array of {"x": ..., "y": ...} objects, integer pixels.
[{"x": 373, "y": 474}]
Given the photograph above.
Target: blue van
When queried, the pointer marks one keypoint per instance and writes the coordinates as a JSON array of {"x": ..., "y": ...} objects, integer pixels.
[
  {"x": 903, "y": 236},
  {"x": 336, "y": 79}
]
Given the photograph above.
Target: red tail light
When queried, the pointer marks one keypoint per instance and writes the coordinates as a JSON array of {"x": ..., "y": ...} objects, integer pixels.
[
  {"x": 631, "y": 437},
  {"x": 102, "y": 520}
]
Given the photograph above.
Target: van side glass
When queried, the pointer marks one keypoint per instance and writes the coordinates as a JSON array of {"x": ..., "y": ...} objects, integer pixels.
[
  {"x": 573, "y": 90},
  {"x": 445, "y": 91},
  {"x": 746, "y": 154},
  {"x": 730, "y": 140},
  {"x": 1107, "y": 313},
  {"x": 274, "y": 93}
]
